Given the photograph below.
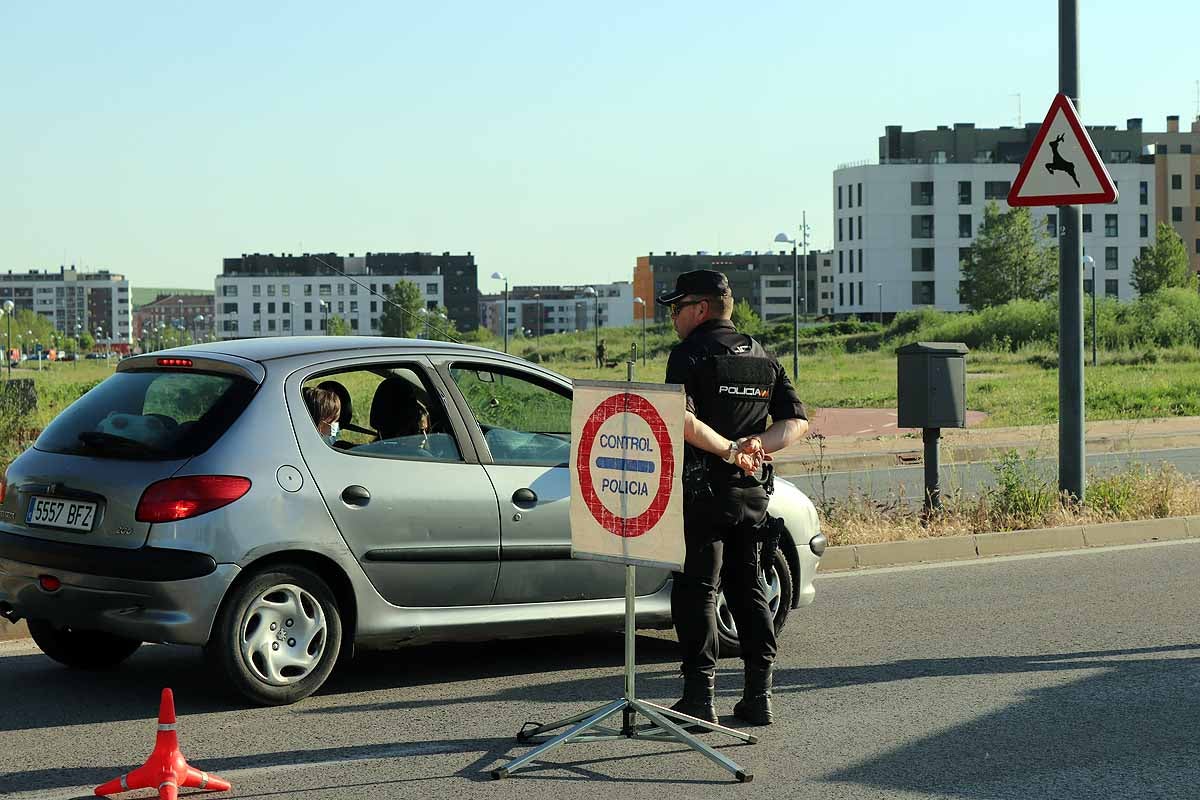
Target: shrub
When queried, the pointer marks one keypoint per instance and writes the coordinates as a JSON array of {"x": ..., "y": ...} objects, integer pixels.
[{"x": 1021, "y": 498}]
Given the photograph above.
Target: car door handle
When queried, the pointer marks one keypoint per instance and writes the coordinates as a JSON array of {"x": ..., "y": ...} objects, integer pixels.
[
  {"x": 524, "y": 497},
  {"x": 356, "y": 496}
]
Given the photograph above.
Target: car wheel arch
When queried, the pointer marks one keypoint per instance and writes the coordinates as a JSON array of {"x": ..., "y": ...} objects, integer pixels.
[{"x": 325, "y": 568}]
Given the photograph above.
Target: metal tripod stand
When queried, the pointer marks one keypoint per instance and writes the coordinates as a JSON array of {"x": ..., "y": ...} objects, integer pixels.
[{"x": 665, "y": 724}]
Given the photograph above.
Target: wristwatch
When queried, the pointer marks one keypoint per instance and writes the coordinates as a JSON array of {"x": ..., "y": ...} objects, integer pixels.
[{"x": 731, "y": 455}]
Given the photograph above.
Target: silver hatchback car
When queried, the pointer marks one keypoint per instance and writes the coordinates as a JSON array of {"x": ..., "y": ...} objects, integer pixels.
[{"x": 191, "y": 499}]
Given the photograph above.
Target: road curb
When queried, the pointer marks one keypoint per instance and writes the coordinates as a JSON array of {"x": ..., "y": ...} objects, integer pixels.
[
  {"x": 10, "y": 631},
  {"x": 986, "y": 545},
  {"x": 952, "y": 455}
]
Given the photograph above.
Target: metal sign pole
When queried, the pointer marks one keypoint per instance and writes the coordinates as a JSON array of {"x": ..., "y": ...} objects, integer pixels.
[
  {"x": 664, "y": 723},
  {"x": 1071, "y": 454}
]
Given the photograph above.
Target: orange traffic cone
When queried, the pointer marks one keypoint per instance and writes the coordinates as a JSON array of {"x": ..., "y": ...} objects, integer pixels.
[{"x": 166, "y": 769}]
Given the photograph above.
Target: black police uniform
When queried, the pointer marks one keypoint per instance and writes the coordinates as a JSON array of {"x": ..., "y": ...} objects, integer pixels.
[{"x": 732, "y": 384}]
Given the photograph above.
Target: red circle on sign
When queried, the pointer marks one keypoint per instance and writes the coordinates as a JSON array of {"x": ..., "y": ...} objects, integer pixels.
[{"x": 635, "y": 404}]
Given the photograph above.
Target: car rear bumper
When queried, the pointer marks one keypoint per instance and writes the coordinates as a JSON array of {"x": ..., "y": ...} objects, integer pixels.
[{"x": 150, "y": 594}]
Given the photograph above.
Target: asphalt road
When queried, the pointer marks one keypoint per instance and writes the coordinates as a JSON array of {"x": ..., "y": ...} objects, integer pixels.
[
  {"x": 1064, "y": 676},
  {"x": 909, "y": 482}
]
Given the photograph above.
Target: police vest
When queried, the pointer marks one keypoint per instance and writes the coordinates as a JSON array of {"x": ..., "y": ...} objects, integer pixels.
[{"x": 738, "y": 386}]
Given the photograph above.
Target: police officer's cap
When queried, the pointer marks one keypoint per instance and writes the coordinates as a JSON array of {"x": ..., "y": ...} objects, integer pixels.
[{"x": 698, "y": 281}]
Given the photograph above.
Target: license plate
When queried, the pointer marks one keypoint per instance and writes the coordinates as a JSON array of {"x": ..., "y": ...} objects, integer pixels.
[{"x": 50, "y": 512}]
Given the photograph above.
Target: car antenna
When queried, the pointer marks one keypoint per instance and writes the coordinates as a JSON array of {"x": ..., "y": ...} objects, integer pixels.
[{"x": 384, "y": 298}]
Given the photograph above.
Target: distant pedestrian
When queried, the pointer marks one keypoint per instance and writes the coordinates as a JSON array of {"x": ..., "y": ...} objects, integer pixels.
[{"x": 601, "y": 354}]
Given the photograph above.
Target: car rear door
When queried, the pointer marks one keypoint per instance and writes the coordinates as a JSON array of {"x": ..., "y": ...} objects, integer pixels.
[
  {"x": 521, "y": 423},
  {"x": 419, "y": 513}
]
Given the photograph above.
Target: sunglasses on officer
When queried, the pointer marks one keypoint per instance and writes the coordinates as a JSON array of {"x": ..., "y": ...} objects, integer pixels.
[{"x": 680, "y": 305}]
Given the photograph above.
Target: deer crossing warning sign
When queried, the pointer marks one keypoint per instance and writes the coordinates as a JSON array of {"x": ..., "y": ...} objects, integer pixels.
[{"x": 1063, "y": 167}]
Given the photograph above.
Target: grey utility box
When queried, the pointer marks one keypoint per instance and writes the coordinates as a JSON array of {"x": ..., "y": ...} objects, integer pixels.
[{"x": 932, "y": 385}]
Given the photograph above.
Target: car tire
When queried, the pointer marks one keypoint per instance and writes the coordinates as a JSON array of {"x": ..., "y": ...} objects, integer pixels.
[
  {"x": 779, "y": 595},
  {"x": 81, "y": 649},
  {"x": 277, "y": 636}
]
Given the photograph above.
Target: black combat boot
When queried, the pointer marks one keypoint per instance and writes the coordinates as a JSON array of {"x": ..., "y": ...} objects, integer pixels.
[
  {"x": 755, "y": 705},
  {"x": 697, "y": 700}
]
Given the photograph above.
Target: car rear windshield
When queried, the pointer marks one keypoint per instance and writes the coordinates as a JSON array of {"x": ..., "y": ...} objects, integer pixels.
[{"x": 149, "y": 415}]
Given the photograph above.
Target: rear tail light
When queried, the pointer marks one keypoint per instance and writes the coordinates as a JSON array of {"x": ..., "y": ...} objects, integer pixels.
[
  {"x": 174, "y": 362},
  {"x": 181, "y": 498},
  {"x": 3, "y": 488}
]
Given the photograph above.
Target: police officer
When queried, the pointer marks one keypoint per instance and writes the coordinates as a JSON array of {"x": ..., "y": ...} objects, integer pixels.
[{"x": 732, "y": 385}]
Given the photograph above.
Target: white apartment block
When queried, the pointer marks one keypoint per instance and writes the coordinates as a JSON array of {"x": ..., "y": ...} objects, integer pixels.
[
  {"x": 901, "y": 229},
  {"x": 543, "y": 310},
  {"x": 298, "y": 305},
  {"x": 75, "y": 302}
]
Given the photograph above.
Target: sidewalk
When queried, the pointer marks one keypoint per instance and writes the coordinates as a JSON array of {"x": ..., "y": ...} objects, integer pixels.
[
  {"x": 960, "y": 445},
  {"x": 11, "y": 631}
]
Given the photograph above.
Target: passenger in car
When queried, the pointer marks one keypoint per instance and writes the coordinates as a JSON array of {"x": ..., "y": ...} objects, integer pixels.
[{"x": 325, "y": 407}]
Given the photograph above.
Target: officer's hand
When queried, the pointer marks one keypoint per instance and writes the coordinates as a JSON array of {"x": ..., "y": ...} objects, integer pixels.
[
  {"x": 749, "y": 463},
  {"x": 751, "y": 445}
]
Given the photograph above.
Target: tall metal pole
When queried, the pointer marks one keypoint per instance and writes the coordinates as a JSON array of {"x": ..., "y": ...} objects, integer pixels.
[
  {"x": 1070, "y": 281},
  {"x": 643, "y": 335},
  {"x": 796, "y": 313},
  {"x": 1093, "y": 313},
  {"x": 804, "y": 245},
  {"x": 504, "y": 322}
]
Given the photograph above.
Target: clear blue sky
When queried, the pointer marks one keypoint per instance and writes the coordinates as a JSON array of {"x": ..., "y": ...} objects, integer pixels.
[{"x": 556, "y": 141}]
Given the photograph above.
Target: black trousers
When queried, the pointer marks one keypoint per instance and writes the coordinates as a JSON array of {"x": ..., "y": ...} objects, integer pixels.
[{"x": 723, "y": 552}]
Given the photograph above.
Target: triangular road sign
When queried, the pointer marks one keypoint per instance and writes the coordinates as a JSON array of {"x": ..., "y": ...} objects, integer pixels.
[{"x": 1062, "y": 168}]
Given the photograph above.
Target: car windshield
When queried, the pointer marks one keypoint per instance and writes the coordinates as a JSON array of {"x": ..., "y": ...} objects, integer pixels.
[{"x": 157, "y": 415}]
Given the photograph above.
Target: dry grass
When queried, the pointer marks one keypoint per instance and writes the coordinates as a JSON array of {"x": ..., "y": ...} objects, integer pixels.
[{"x": 1019, "y": 500}]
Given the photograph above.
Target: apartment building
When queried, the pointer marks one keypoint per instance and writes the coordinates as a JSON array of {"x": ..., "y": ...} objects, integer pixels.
[
  {"x": 75, "y": 302},
  {"x": 288, "y": 295},
  {"x": 542, "y": 310},
  {"x": 902, "y": 225},
  {"x": 193, "y": 313},
  {"x": 764, "y": 280}
]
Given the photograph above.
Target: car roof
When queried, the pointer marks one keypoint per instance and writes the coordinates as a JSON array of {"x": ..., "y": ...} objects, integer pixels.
[{"x": 275, "y": 347}]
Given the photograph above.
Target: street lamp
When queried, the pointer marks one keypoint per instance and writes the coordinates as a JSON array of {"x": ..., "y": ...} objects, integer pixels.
[
  {"x": 497, "y": 276},
  {"x": 537, "y": 339},
  {"x": 198, "y": 325},
  {"x": 33, "y": 349},
  {"x": 783, "y": 238},
  {"x": 640, "y": 302},
  {"x": 8, "y": 312},
  {"x": 590, "y": 291},
  {"x": 880, "y": 287},
  {"x": 1088, "y": 261}
]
